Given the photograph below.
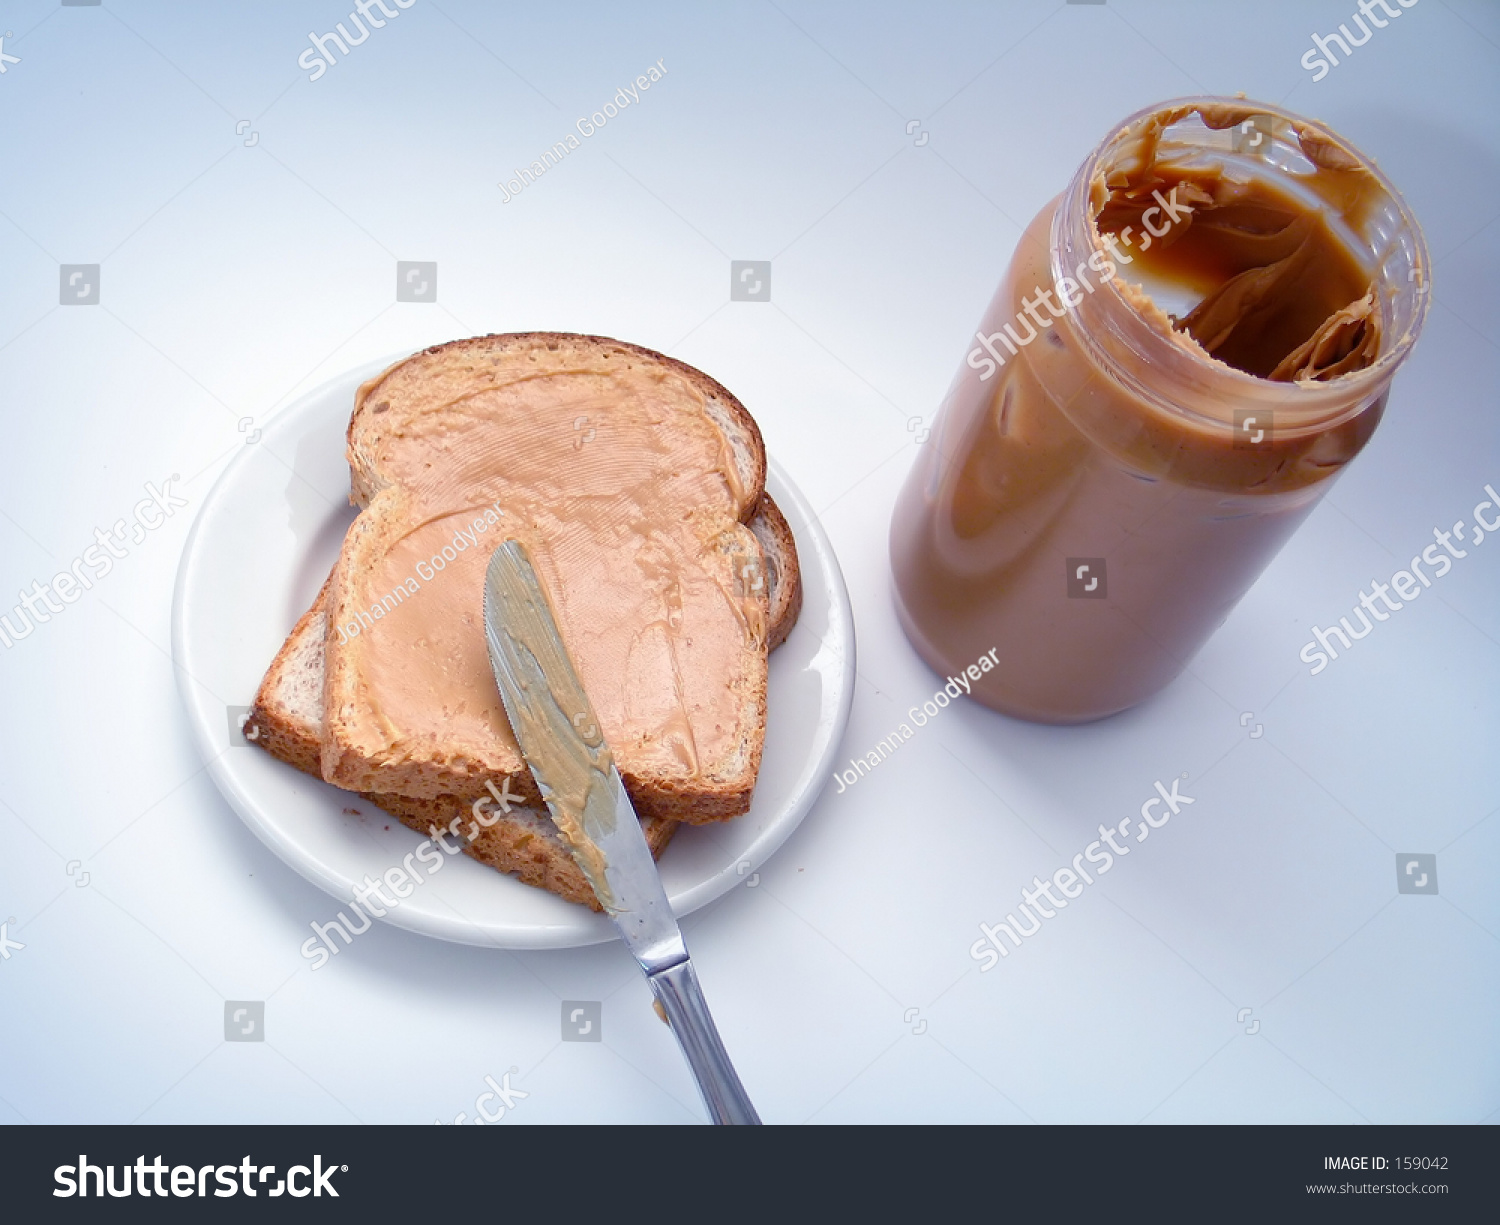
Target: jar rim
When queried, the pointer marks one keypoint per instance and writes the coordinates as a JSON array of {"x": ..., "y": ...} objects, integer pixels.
[{"x": 1352, "y": 388}]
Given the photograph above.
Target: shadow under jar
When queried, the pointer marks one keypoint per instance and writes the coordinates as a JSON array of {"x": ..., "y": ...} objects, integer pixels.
[{"x": 1189, "y": 345}]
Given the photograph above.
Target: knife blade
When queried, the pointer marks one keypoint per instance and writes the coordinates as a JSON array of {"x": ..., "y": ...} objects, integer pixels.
[{"x": 560, "y": 738}]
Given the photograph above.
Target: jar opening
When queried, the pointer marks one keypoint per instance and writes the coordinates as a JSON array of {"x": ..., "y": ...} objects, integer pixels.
[{"x": 1245, "y": 245}]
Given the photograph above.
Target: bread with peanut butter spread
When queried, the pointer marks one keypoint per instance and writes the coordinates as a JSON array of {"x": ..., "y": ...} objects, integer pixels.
[
  {"x": 287, "y": 721},
  {"x": 632, "y": 479},
  {"x": 673, "y": 576}
]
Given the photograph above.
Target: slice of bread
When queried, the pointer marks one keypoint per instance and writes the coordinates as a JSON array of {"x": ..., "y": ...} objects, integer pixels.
[
  {"x": 632, "y": 479},
  {"x": 287, "y": 721}
]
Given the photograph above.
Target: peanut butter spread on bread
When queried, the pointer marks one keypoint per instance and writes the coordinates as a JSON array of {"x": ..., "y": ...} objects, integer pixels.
[{"x": 615, "y": 468}]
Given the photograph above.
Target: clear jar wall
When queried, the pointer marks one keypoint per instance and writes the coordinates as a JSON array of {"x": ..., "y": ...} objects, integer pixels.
[{"x": 1100, "y": 439}]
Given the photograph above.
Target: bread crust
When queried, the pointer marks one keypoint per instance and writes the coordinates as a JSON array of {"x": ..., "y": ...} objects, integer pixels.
[{"x": 784, "y": 571}]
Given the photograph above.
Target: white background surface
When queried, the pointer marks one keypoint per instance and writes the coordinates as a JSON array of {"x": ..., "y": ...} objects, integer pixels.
[{"x": 233, "y": 278}]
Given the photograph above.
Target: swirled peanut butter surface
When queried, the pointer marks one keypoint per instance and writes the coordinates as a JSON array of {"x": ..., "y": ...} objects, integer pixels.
[
  {"x": 615, "y": 476},
  {"x": 1278, "y": 293}
]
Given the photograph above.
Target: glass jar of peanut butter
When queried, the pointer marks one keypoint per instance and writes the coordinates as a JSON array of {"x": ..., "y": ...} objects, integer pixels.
[{"x": 1189, "y": 345}]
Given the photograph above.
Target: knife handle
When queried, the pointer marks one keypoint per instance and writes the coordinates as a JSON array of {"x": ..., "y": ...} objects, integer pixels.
[{"x": 692, "y": 1024}]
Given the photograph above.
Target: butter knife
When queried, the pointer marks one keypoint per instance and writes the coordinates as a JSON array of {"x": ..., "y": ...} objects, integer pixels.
[{"x": 555, "y": 725}]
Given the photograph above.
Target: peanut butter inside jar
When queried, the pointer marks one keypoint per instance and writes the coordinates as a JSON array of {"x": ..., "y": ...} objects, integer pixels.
[{"x": 1190, "y": 343}]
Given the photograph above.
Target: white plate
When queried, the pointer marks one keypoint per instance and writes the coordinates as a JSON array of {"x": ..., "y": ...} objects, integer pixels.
[{"x": 265, "y": 539}]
